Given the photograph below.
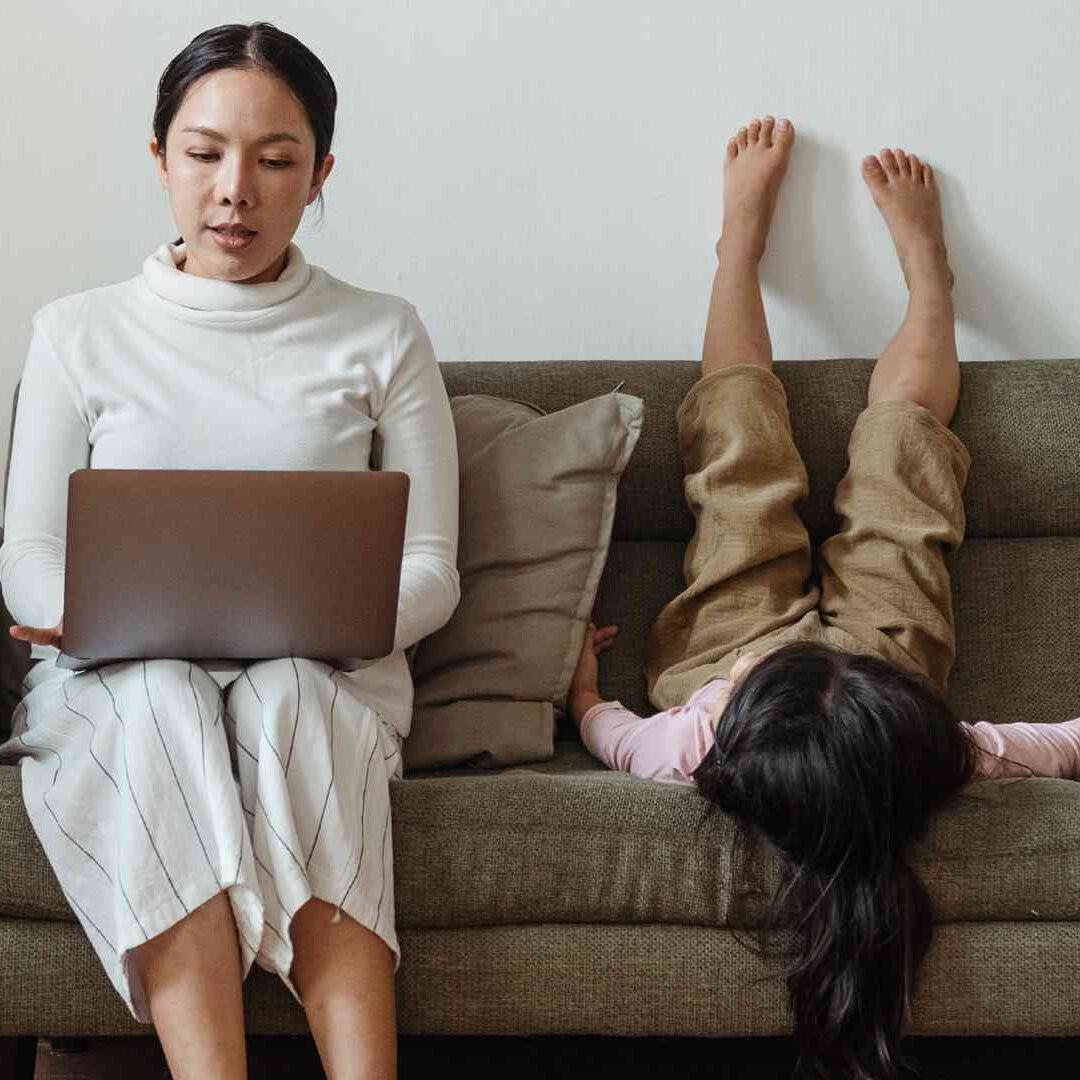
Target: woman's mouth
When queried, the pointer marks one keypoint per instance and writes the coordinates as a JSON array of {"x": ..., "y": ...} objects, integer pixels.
[{"x": 232, "y": 238}]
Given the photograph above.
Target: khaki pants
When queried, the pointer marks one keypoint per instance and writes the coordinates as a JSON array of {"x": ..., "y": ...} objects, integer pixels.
[{"x": 884, "y": 586}]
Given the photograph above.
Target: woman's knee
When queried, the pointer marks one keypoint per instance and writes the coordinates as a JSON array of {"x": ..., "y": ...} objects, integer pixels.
[
  {"x": 286, "y": 670},
  {"x": 279, "y": 693},
  {"x": 140, "y": 695}
]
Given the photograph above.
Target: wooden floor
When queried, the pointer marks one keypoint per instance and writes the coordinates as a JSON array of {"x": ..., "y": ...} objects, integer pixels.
[{"x": 597, "y": 1058}]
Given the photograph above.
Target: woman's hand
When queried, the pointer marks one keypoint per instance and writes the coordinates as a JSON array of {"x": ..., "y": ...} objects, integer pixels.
[
  {"x": 584, "y": 692},
  {"x": 38, "y": 636}
]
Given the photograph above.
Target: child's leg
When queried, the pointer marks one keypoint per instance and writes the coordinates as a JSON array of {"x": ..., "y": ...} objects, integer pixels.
[
  {"x": 735, "y": 330},
  {"x": 884, "y": 579},
  {"x": 748, "y": 562}
]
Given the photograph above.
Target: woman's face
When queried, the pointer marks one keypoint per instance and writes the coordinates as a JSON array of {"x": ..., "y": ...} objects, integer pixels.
[{"x": 239, "y": 152}]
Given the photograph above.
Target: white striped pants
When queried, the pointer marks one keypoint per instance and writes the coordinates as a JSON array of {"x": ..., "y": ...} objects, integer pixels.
[{"x": 152, "y": 789}]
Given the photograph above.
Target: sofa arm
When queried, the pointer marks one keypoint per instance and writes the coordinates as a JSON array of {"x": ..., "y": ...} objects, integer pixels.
[{"x": 14, "y": 664}]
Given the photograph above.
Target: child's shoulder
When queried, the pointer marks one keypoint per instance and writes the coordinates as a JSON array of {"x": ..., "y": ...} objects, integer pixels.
[
  {"x": 716, "y": 687},
  {"x": 707, "y": 702}
]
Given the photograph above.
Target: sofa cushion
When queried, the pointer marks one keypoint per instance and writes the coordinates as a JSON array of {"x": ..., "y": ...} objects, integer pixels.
[
  {"x": 568, "y": 841},
  {"x": 14, "y": 664},
  {"x": 538, "y": 495},
  {"x": 1015, "y": 576},
  {"x": 1018, "y": 419},
  {"x": 586, "y": 979}
]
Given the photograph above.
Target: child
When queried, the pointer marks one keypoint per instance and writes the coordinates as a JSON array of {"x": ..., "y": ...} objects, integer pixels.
[
  {"x": 672, "y": 746},
  {"x": 813, "y": 712},
  {"x": 809, "y": 734}
]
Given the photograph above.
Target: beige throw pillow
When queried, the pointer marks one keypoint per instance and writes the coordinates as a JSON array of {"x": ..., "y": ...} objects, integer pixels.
[{"x": 537, "y": 504}]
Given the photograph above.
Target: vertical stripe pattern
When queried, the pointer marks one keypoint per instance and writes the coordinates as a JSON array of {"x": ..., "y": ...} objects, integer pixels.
[{"x": 152, "y": 789}]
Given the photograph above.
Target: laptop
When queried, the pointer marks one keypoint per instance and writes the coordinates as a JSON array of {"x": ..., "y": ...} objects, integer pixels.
[{"x": 231, "y": 564}]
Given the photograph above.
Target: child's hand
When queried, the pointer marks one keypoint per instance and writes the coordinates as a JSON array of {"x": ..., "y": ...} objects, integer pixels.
[{"x": 584, "y": 692}]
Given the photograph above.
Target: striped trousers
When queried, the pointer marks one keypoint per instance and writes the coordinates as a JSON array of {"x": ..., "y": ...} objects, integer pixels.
[{"x": 152, "y": 788}]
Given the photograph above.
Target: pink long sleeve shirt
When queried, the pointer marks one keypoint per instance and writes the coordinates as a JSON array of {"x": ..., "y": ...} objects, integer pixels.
[{"x": 670, "y": 745}]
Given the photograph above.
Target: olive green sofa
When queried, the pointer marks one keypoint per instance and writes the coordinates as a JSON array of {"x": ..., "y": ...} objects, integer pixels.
[{"x": 563, "y": 898}]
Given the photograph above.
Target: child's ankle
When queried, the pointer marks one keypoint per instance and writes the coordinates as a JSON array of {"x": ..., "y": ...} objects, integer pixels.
[{"x": 740, "y": 246}]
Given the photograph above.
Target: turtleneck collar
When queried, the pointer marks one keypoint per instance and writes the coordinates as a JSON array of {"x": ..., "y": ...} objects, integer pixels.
[{"x": 168, "y": 281}]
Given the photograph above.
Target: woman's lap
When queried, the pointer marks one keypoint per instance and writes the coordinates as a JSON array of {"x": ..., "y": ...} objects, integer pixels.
[
  {"x": 130, "y": 780},
  {"x": 314, "y": 764}
]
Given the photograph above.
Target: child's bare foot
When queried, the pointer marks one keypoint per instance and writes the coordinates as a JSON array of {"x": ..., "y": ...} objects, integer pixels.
[
  {"x": 905, "y": 191},
  {"x": 757, "y": 158}
]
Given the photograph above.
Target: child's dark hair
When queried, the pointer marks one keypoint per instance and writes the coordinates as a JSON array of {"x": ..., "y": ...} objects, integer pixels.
[
  {"x": 839, "y": 759},
  {"x": 258, "y": 45}
]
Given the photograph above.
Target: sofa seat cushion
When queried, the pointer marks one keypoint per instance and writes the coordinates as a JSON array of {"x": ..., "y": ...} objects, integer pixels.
[{"x": 567, "y": 841}]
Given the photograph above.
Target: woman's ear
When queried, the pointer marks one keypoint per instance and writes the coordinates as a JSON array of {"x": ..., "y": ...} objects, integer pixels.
[
  {"x": 319, "y": 178},
  {"x": 159, "y": 160}
]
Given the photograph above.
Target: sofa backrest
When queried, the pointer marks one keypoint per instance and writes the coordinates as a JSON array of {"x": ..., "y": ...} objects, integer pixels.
[{"x": 1016, "y": 577}]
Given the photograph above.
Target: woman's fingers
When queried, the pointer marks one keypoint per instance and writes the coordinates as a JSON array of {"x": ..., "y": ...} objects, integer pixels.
[{"x": 37, "y": 635}]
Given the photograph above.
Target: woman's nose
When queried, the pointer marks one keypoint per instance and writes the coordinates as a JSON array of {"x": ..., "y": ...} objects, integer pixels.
[{"x": 235, "y": 184}]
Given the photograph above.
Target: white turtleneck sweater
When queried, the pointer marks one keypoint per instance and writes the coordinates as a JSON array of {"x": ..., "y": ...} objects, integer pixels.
[{"x": 172, "y": 371}]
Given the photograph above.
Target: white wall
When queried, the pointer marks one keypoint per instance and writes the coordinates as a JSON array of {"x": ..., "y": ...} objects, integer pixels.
[{"x": 542, "y": 178}]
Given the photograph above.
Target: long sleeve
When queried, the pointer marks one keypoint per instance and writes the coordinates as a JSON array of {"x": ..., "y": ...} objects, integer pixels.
[
  {"x": 668, "y": 746},
  {"x": 50, "y": 441},
  {"x": 416, "y": 429},
  {"x": 1026, "y": 749}
]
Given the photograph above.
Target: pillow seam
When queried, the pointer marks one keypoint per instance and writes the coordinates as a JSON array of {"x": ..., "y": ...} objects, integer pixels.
[{"x": 630, "y": 412}]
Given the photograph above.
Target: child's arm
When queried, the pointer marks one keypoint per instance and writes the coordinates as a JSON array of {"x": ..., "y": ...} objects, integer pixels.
[
  {"x": 584, "y": 692},
  {"x": 668, "y": 746},
  {"x": 1027, "y": 749}
]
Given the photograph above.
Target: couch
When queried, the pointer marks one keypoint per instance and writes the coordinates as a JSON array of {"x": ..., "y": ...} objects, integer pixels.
[{"x": 559, "y": 897}]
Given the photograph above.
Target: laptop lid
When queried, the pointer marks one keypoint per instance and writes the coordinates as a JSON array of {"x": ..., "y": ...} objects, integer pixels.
[{"x": 232, "y": 564}]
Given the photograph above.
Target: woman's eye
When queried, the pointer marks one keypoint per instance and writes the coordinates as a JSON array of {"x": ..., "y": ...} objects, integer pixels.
[{"x": 276, "y": 163}]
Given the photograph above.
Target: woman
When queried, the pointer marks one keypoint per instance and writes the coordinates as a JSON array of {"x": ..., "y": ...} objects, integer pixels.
[
  {"x": 204, "y": 817},
  {"x": 813, "y": 713}
]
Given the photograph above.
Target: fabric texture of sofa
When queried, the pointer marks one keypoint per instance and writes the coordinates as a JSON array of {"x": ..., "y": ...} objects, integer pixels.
[{"x": 560, "y": 897}]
